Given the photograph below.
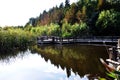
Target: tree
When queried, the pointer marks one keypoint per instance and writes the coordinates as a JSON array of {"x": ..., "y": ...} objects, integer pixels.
[
  {"x": 108, "y": 22},
  {"x": 100, "y": 3},
  {"x": 70, "y": 16},
  {"x": 67, "y": 3},
  {"x": 45, "y": 18},
  {"x": 79, "y": 16},
  {"x": 79, "y": 30},
  {"x": 61, "y": 5}
]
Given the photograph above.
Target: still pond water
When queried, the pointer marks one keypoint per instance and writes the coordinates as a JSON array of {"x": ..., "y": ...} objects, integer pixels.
[{"x": 66, "y": 62}]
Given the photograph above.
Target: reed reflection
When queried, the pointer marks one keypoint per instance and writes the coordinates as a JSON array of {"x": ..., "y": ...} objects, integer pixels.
[
  {"x": 80, "y": 59},
  {"x": 7, "y": 55}
]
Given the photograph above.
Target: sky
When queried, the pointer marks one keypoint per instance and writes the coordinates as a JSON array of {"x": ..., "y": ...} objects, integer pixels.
[{"x": 18, "y": 12}]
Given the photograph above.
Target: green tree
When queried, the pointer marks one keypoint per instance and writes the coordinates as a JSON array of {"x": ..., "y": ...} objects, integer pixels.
[
  {"x": 108, "y": 22},
  {"x": 66, "y": 30},
  {"x": 79, "y": 30}
]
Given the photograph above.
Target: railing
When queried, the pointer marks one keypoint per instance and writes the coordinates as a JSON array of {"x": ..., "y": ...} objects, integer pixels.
[{"x": 56, "y": 39}]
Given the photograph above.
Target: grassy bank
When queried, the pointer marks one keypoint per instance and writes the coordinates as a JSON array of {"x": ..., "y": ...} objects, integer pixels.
[{"x": 14, "y": 38}]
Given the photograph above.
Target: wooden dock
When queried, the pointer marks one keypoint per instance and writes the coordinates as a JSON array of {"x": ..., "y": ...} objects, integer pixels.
[{"x": 87, "y": 40}]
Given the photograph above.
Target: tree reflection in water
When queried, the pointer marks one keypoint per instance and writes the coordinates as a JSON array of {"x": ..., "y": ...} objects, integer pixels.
[{"x": 80, "y": 59}]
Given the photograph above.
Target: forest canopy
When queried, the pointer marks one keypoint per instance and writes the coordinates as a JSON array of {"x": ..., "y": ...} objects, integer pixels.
[{"x": 101, "y": 18}]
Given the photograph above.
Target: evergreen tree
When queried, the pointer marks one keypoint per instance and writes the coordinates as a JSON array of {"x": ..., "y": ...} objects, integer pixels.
[
  {"x": 67, "y": 3},
  {"x": 61, "y": 5}
]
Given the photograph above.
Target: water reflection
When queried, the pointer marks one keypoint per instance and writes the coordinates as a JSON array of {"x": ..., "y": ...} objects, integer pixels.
[
  {"x": 76, "y": 61},
  {"x": 81, "y": 60},
  {"x": 31, "y": 66},
  {"x": 7, "y": 55}
]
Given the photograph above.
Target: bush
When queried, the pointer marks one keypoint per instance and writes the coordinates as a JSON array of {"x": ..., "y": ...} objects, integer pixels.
[
  {"x": 47, "y": 30},
  {"x": 76, "y": 30}
]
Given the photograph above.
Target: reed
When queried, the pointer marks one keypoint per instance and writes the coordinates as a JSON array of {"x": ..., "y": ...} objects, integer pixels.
[{"x": 14, "y": 38}]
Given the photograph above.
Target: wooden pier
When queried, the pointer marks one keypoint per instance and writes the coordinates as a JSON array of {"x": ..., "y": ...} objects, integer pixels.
[{"x": 87, "y": 40}]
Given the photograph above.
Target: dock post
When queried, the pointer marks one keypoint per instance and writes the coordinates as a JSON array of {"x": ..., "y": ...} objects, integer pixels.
[
  {"x": 118, "y": 45},
  {"x": 53, "y": 40}
]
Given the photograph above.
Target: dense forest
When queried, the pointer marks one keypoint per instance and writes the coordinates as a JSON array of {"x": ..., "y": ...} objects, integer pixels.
[{"x": 82, "y": 18}]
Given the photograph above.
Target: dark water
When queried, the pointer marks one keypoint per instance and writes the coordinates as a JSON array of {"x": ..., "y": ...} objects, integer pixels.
[{"x": 68, "y": 62}]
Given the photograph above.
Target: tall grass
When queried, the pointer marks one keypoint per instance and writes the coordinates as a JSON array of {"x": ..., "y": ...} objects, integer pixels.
[{"x": 14, "y": 38}]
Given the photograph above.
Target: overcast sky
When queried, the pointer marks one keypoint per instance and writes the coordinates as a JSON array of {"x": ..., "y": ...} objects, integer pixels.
[{"x": 18, "y": 12}]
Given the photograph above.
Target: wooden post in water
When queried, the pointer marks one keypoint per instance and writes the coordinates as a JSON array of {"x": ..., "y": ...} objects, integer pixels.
[
  {"x": 118, "y": 45},
  {"x": 53, "y": 39}
]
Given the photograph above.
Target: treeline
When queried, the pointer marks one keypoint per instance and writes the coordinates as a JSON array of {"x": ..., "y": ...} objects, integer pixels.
[
  {"x": 66, "y": 31},
  {"x": 102, "y": 17}
]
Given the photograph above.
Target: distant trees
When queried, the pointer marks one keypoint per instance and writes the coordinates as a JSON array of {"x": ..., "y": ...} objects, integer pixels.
[
  {"x": 32, "y": 21},
  {"x": 61, "y": 5},
  {"x": 67, "y": 3},
  {"x": 98, "y": 15}
]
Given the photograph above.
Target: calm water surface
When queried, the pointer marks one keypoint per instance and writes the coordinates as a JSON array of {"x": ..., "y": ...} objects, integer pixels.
[{"x": 68, "y": 62}]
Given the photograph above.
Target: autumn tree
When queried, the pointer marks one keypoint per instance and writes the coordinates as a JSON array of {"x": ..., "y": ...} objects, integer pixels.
[{"x": 70, "y": 16}]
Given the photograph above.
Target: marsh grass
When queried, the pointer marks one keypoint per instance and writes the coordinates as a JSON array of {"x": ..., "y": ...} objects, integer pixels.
[{"x": 14, "y": 38}]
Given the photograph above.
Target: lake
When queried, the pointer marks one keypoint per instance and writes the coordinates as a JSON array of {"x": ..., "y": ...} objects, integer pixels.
[{"x": 53, "y": 62}]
